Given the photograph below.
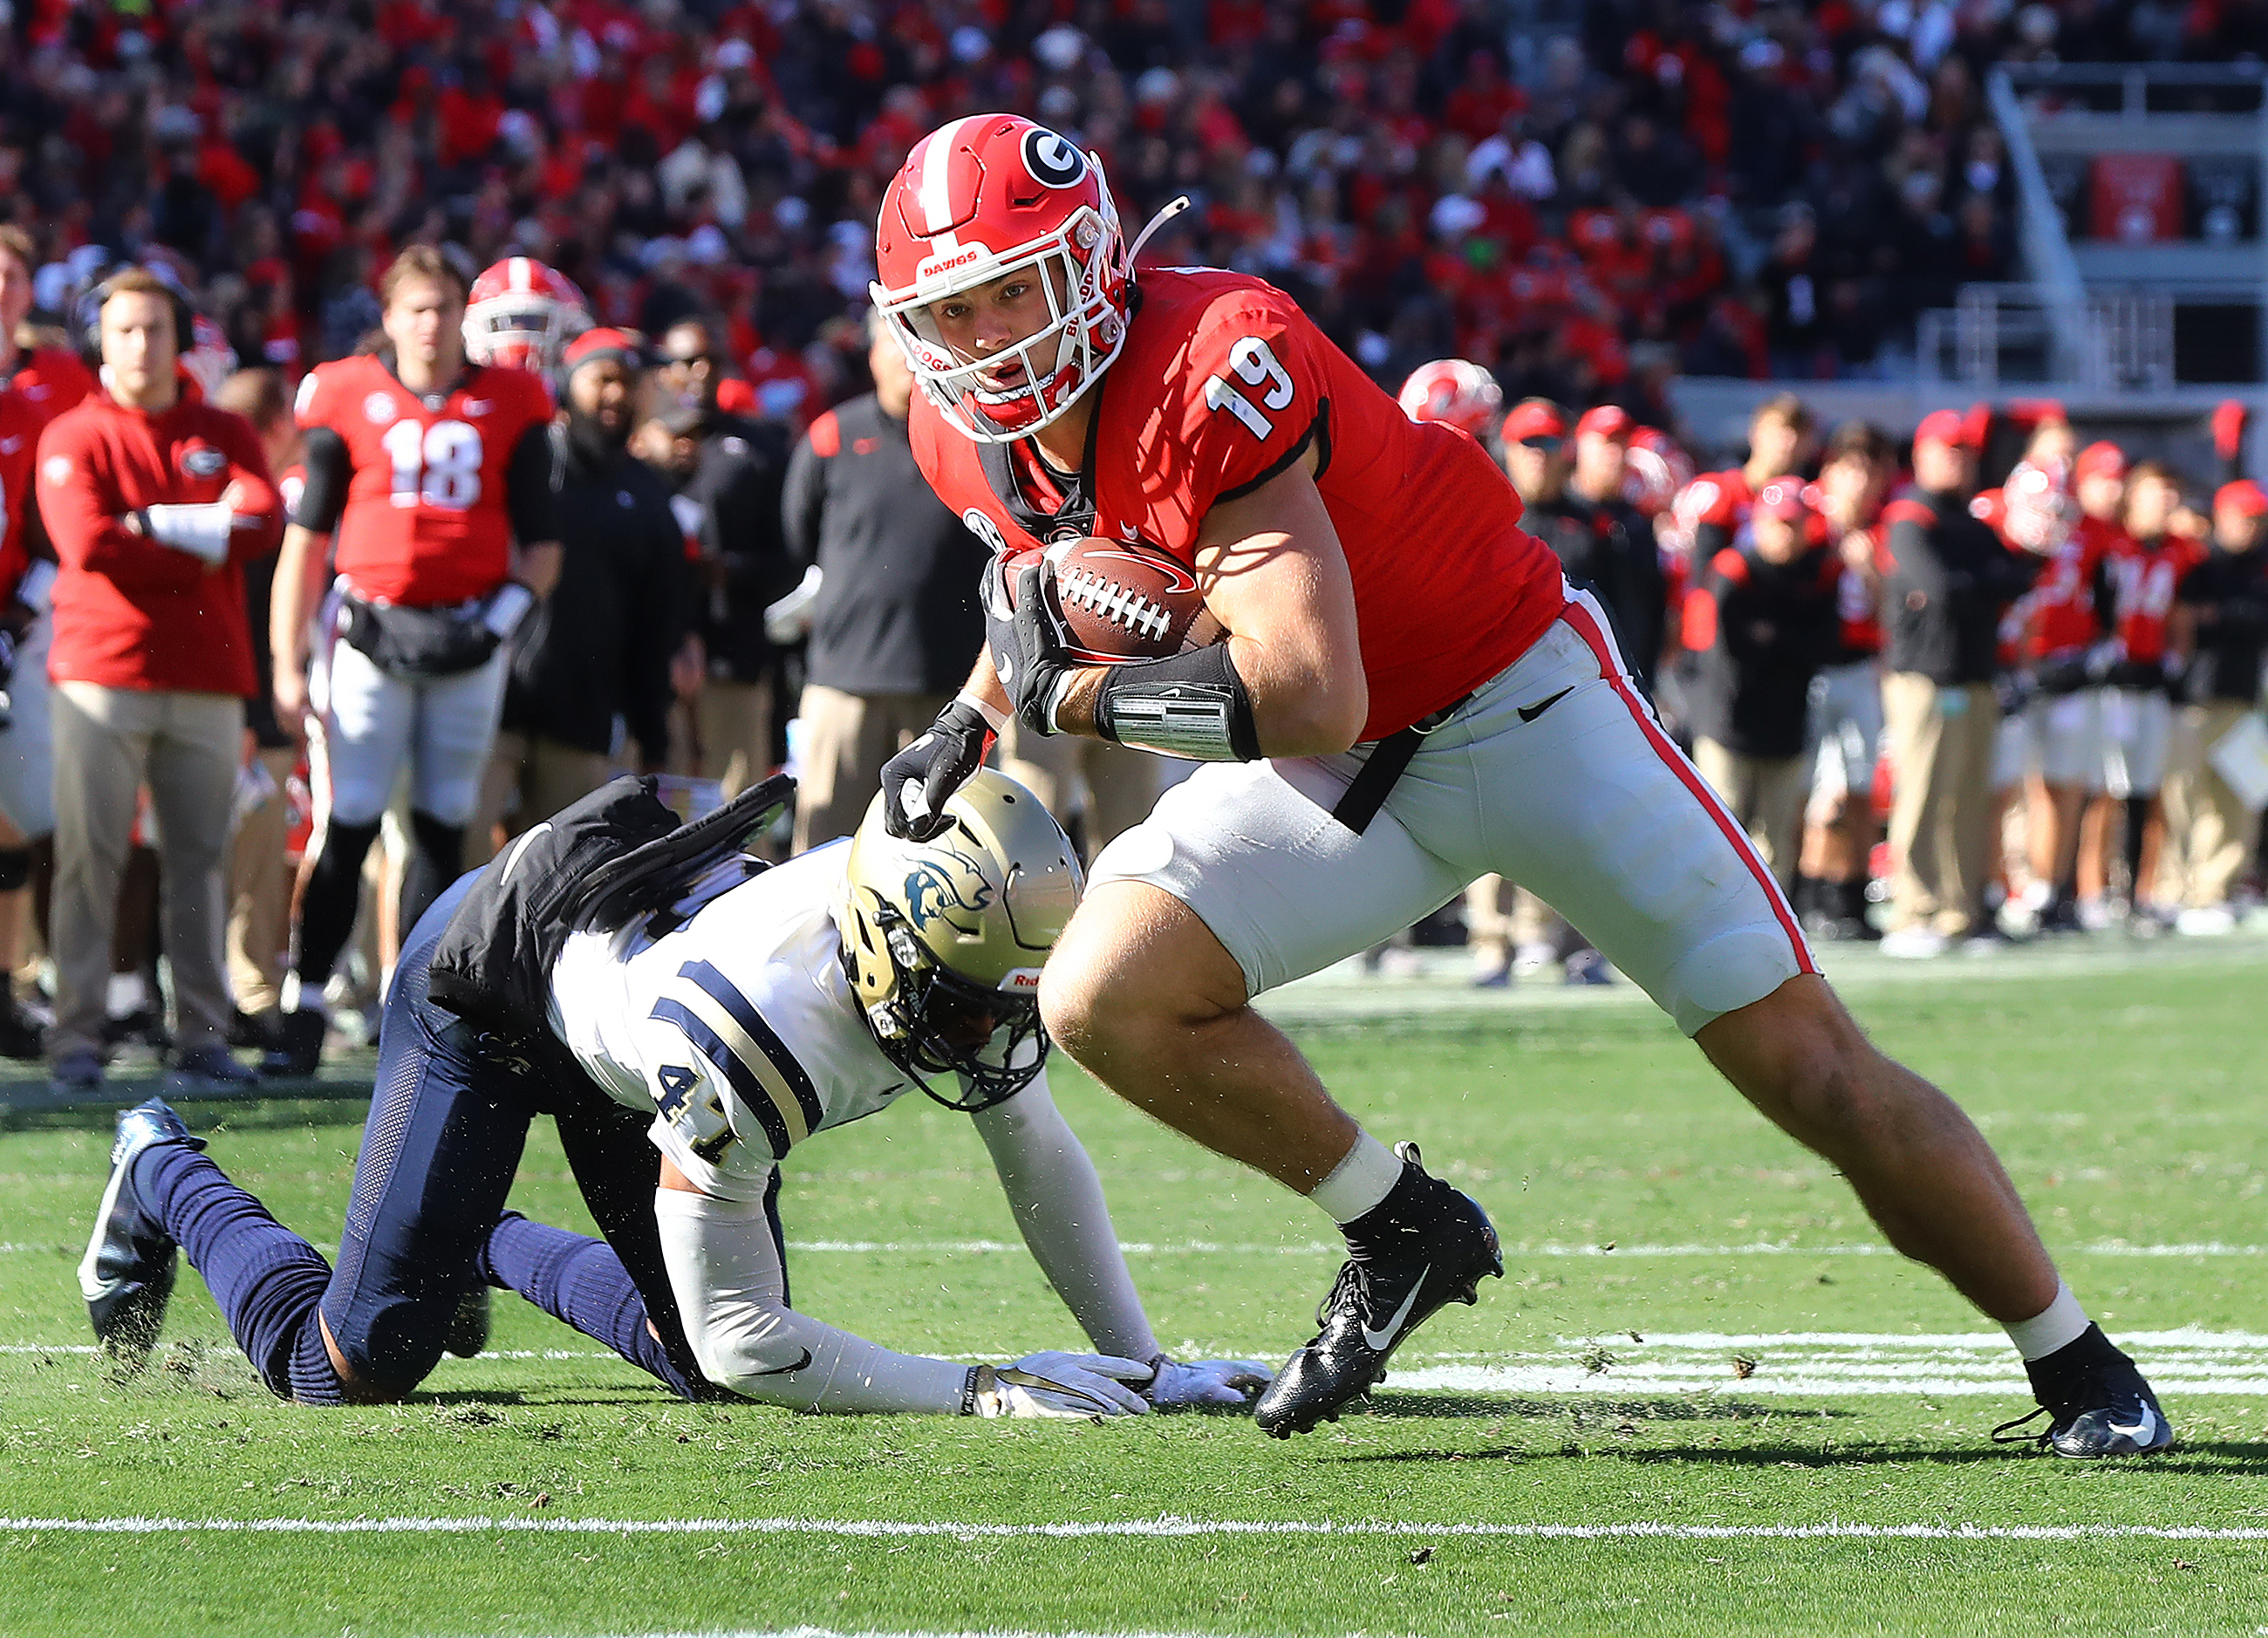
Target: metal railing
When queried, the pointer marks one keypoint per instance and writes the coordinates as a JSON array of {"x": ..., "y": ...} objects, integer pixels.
[
  {"x": 2032, "y": 335},
  {"x": 2046, "y": 249}
]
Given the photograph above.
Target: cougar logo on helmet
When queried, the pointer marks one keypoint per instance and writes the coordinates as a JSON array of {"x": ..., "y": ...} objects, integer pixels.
[
  {"x": 945, "y": 882},
  {"x": 1052, "y": 160}
]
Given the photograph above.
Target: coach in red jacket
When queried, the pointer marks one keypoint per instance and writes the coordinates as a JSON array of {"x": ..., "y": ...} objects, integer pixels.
[{"x": 154, "y": 503}]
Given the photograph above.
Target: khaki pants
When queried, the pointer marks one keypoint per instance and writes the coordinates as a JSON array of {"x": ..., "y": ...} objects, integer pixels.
[
  {"x": 1121, "y": 785},
  {"x": 846, "y": 739},
  {"x": 529, "y": 779},
  {"x": 260, "y": 892},
  {"x": 2209, "y": 831},
  {"x": 109, "y": 742},
  {"x": 1941, "y": 817},
  {"x": 1765, "y": 795},
  {"x": 735, "y": 721}
]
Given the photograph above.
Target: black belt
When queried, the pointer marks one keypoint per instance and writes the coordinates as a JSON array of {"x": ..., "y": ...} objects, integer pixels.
[{"x": 1373, "y": 781}]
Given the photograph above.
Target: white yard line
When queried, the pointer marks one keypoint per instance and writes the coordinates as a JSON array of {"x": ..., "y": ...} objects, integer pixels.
[
  {"x": 1168, "y": 1527},
  {"x": 1826, "y": 1364},
  {"x": 1553, "y": 1249}
]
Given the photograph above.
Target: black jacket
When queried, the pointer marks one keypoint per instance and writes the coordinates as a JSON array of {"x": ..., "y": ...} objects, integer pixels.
[
  {"x": 601, "y": 644},
  {"x": 1609, "y": 550},
  {"x": 897, "y": 609},
  {"x": 1947, "y": 580},
  {"x": 2229, "y": 593},
  {"x": 1761, "y": 631},
  {"x": 736, "y": 490}
]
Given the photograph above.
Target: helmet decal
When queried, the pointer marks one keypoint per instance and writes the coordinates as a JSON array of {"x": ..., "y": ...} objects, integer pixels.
[
  {"x": 944, "y": 881},
  {"x": 1053, "y": 160}
]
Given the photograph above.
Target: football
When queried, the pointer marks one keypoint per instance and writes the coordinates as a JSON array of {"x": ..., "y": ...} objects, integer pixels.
[{"x": 1124, "y": 600}]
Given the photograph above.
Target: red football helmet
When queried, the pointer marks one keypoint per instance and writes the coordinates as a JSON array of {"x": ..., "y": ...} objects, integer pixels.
[
  {"x": 1658, "y": 470},
  {"x": 2038, "y": 512},
  {"x": 1453, "y": 390},
  {"x": 520, "y": 315},
  {"x": 977, "y": 199}
]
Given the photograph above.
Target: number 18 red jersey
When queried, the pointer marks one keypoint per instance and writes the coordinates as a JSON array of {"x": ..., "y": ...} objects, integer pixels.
[{"x": 426, "y": 520}]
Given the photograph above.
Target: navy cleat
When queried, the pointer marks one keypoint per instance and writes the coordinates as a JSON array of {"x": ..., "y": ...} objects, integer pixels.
[
  {"x": 1429, "y": 1244},
  {"x": 127, "y": 1275},
  {"x": 468, "y": 1326},
  {"x": 2097, "y": 1403}
]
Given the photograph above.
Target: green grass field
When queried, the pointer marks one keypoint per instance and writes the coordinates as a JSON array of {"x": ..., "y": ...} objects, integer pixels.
[{"x": 1704, "y": 1400}]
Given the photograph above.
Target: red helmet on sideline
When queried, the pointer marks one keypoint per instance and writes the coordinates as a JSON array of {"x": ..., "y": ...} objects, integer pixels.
[
  {"x": 1454, "y": 390},
  {"x": 520, "y": 315}
]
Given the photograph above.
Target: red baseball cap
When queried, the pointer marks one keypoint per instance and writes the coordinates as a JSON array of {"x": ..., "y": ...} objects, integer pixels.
[
  {"x": 2104, "y": 460},
  {"x": 601, "y": 343},
  {"x": 2244, "y": 497},
  {"x": 1608, "y": 421},
  {"x": 1947, "y": 426},
  {"x": 1783, "y": 498},
  {"x": 1534, "y": 420}
]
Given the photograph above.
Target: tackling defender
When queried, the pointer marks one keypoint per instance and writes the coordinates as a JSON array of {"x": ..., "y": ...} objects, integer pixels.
[
  {"x": 677, "y": 992},
  {"x": 1408, "y": 697}
]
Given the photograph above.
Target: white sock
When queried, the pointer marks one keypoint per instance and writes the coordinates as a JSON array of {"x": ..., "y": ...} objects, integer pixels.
[
  {"x": 127, "y": 993},
  {"x": 2054, "y": 1327},
  {"x": 1360, "y": 1181},
  {"x": 296, "y": 997}
]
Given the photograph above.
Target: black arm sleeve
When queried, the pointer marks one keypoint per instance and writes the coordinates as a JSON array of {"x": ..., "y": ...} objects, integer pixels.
[
  {"x": 654, "y": 628},
  {"x": 530, "y": 496},
  {"x": 329, "y": 470}
]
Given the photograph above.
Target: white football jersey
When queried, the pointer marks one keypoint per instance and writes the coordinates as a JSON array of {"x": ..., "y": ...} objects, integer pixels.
[{"x": 736, "y": 1025}]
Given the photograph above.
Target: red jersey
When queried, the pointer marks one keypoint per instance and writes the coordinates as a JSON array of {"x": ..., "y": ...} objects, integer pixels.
[
  {"x": 1222, "y": 385},
  {"x": 2059, "y": 613},
  {"x": 21, "y": 425},
  {"x": 2139, "y": 579},
  {"x": 52, "y": 379},
  {"x": 425, "y": 519},
  {"x": 130, "y": 612},
  {"x": 1858, "y": 611}
]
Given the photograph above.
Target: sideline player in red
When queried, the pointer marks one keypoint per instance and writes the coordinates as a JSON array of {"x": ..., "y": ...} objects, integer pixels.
[
  {"x": 436, "y": 475},
  {"x": 1407, "y": 697}
]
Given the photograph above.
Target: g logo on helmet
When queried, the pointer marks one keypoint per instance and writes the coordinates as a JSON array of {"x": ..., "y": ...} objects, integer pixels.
[
  {"x": 1052, "y": 160},
  {"x": 948, "y": 887},
  {"x": 985, "y": 529}
]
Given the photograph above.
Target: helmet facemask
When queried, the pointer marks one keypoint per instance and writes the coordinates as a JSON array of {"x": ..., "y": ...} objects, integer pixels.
[
  {"x": 1078, "y": 271},
  {"x": 930, "y": 1022}
]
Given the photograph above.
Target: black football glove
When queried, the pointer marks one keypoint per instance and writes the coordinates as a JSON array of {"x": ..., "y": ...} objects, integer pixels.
[
  {"x": 936, "y": 765},
  {"x": 1026, "y": 643}
]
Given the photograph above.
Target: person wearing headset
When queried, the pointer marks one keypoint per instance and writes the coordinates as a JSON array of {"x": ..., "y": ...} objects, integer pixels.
[{"x": 155, "y": 501}]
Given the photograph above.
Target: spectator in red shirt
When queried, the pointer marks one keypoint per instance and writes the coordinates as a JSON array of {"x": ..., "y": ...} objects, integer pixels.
[{"x": 155, "y": 503}]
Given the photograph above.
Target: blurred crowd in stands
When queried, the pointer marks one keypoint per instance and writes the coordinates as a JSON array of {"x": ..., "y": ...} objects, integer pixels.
[{"x": 1743, "y": 190}]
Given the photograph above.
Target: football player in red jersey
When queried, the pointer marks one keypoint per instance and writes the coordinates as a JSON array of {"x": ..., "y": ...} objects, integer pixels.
[
  {"x": 2135, "y": 582},
  {"x": 1407, "y": 697},
  {"x": 51, "y": 379},
  {"x": 35, "y": 389},
  {"x": 2059, "y": 646},
  {"x": 1839, "y": 827},
  {"x": 434, "y": 477}
]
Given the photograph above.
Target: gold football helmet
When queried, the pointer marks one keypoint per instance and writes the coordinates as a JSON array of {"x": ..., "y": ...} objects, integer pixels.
[{"x": 943, "y": 940}]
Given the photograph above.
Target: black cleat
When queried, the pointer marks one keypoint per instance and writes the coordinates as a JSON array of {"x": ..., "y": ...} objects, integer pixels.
[
  {"x": 1438, "y": 1254},
  {"x": 127, "y": 1275},
  {"x": 468, "y": 1326},
  {"x": 298, "y": 1049},
  {"x": 2096, "y": 1400}
]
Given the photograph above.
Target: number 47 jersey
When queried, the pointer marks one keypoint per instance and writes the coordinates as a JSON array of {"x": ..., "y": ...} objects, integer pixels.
[
  {"x": 432, "y": 491},
  {"x": 1223, "y": 385}
]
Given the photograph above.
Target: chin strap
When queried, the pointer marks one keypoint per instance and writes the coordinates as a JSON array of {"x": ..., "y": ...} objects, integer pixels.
[{"x": 1172, "y": 209}]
